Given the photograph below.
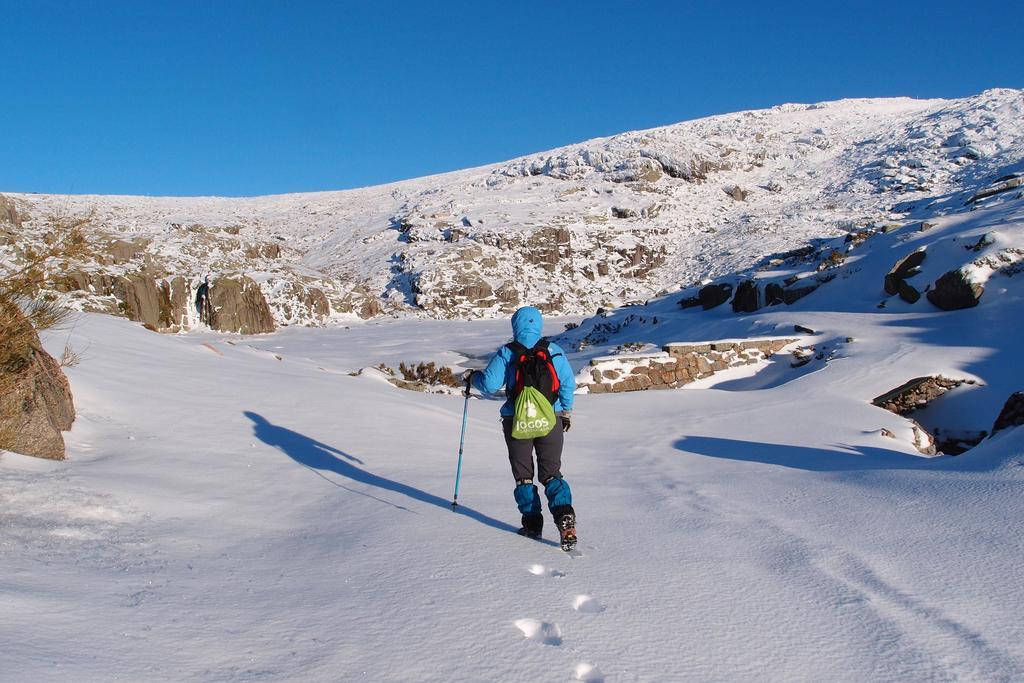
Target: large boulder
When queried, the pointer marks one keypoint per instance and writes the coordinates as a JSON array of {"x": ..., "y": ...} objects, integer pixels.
[
  {"x": 1012, "y": 414},
  {"x": 748, "y": 297},
  {"x": 908, "y": 266},
  {"x": 714, "y": 295},
  {"x": 908, "y": 292},
  {"x": 793, "y": 294},
  {"x": 361, "y": 301},
  {"x": 142, "y": 300},
  {"x": 239, "y": 306},
  {"x": 954, "y": 291},
  {"x": 35, "y": 404}
]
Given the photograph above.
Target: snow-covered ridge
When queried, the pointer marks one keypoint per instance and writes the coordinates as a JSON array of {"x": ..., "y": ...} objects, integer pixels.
[{"x": 599, "y": 223}]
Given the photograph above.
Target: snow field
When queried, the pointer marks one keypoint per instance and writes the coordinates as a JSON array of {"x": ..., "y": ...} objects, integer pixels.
[{"x": 233, "y": 516}]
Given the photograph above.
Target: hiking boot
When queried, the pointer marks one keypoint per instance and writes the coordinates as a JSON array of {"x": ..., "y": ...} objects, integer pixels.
[
  {"x": 566, "y": 523},
  {"x": 532, "y": 526}
]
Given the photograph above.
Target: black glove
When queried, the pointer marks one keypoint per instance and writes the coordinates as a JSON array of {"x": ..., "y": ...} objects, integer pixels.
[
  {"x": 566, "y": 421},
  {"x": 468, "y": 376}
]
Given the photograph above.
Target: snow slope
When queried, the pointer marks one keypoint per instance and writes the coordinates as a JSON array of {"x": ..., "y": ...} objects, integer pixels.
[{"x": 225, "y": 515}]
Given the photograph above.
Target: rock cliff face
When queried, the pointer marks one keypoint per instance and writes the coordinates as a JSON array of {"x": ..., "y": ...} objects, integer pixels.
[
  {"x": 239, "y": 306},
  {"x": 37, "y": 406}
]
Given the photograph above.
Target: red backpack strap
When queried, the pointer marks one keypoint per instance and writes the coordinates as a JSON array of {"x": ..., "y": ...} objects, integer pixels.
[
  {"x": 518, "y": 356},
  {"x": 548, "y": 359}
]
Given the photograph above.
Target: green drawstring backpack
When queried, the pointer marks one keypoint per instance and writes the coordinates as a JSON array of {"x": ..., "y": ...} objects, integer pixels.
[{"x": 535, "y": 388}]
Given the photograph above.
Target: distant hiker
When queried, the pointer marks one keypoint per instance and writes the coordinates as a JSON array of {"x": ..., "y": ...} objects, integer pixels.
[
  {"x": 540, "y": 385},
  {"x": 203, "y": 306}
]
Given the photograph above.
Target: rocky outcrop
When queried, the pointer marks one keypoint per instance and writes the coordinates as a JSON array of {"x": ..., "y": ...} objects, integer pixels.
[
  {"x": 239, "y": 306},
  {"x": 179, "y": 297},
  {"x": 792, "y": 294},
  {"x": 675, "y": 366},
  {"x": 1012, "y": 414},
  {"x": 1005, "y": 186},
  {"x": 296, "y": 303},
  {"x": 118, "y": 251},
  {"x": 908, "y": 266},
  {"x": 154, "y": 302},
  {"x": 36, "y": 404},
  {"x": 264, "y": 250},
  {"x": 714, "y": 295},
  {"x": 360, "y": 301},
  {"x": 915, "y": 394},
  {"x": 747, "y": 298},
  {"x": 142, "y": 300},
  {"x": 736, "y": 192},
  {"x": 954, "y": 291}
]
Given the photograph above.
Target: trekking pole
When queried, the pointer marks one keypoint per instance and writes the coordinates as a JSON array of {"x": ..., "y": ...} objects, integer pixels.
[{"x": 462, "y": 440}]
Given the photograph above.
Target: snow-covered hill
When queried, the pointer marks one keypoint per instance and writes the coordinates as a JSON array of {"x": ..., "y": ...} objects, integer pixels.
[{"x": 594, "y": 224}]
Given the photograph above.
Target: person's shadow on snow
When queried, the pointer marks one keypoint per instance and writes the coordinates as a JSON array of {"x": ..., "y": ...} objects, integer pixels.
[{"x": 320, "y": 457}]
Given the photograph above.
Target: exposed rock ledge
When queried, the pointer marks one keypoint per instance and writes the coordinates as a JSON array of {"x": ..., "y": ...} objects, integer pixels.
[{"x": 678, "y": 364}]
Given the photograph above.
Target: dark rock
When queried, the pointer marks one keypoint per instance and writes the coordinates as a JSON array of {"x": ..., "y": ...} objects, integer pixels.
[
  {"x": 623, "y": 213},
  {"x": 714, "y": 295},
  {"x": 804, "y": 330},
  {"x": 794, "y": 294},
  {"x": 907, "y": 266},
  {"x": 690, "y": 302},
  {"x": 953, "y": 291},
  {"x": 37, "y": 404},
  {"x": 747, "y": 299},
  {"x": 907, "y": 292},
  {"x": 1012, "y": 414},
  {"x": 774, "y": 294}
]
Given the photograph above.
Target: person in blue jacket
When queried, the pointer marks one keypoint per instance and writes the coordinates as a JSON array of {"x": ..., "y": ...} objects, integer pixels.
[{"x": 527, "y": 324}]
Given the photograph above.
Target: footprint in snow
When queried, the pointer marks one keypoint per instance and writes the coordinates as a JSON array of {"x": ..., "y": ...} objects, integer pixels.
[
  {"x": 588, "y": 673},
  {"x": 541, "y": 631},
  {"x": 541, "y": 570},
  {"x": 587, "y": 604}
]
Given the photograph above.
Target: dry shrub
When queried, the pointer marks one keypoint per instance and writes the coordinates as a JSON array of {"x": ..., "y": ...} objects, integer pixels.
[{"x": 429, "y": 373}]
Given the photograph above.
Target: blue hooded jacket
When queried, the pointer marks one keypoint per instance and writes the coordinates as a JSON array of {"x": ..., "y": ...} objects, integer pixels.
[{"x": 527, "y": 324}]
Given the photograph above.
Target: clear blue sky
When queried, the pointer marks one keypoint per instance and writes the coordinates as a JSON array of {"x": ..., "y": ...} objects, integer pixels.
[{"x": 245, "y": 97}]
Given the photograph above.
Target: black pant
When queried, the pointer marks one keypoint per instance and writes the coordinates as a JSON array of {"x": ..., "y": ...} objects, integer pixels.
[{"x": 549, "y": 452}]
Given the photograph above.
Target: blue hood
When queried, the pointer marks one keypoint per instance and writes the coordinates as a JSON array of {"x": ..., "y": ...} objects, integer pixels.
[{"x": 527, "y": 324}]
